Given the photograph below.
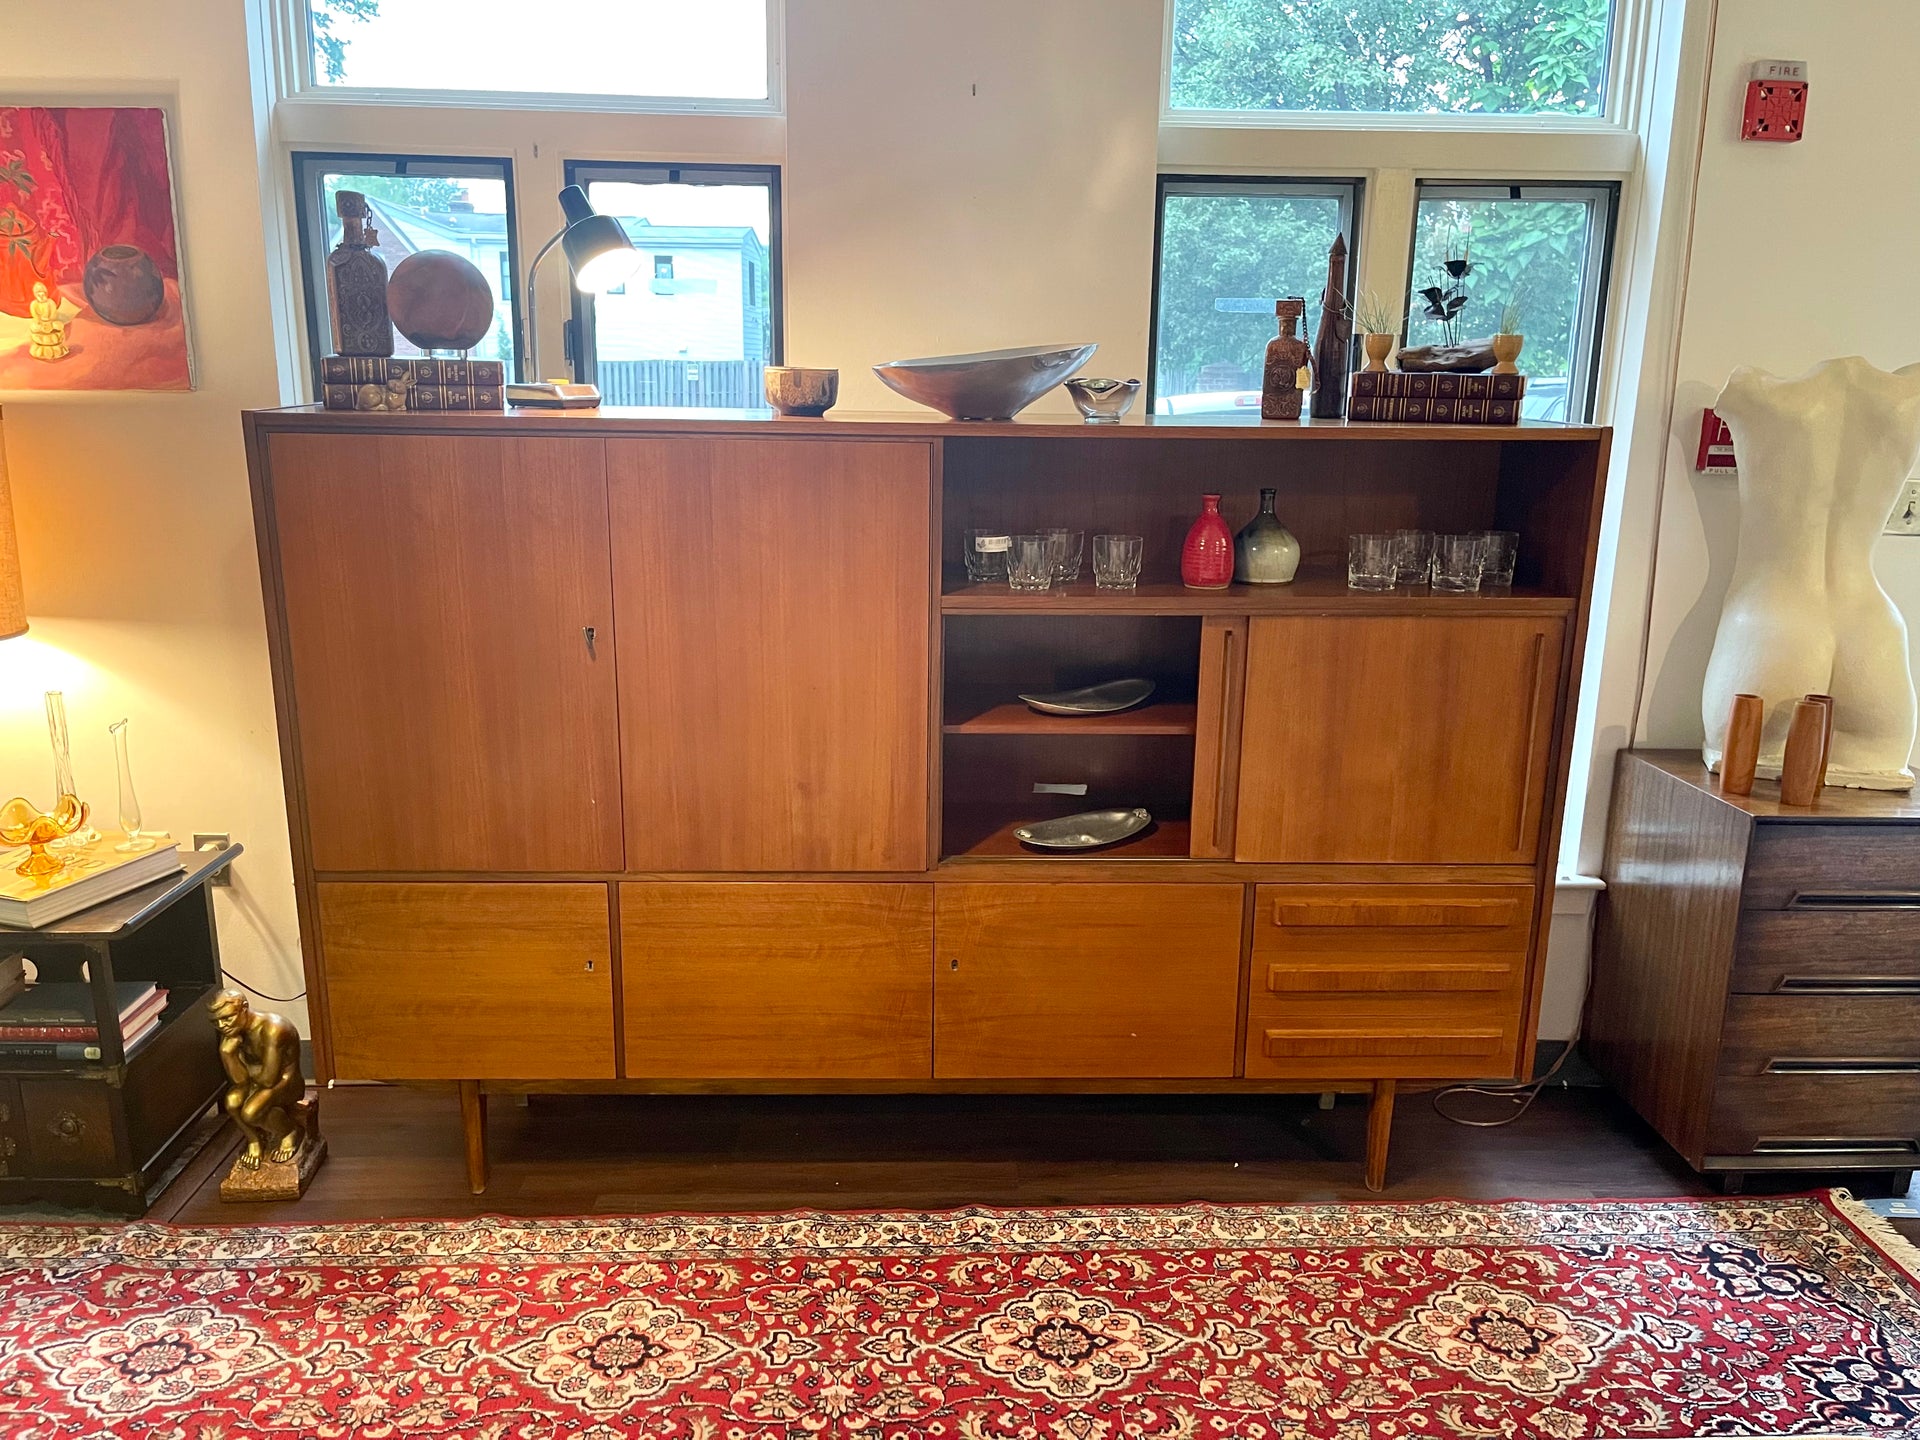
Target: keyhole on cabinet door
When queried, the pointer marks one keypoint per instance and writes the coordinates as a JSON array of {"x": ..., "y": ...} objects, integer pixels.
[
  {"x": 590, "y": 633},
  {"x": 953, "y": 964},
  {"x": 589, "y": 966}
]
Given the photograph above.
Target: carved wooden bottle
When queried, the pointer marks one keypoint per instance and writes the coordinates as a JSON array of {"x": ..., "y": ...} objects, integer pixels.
[
  {"x": 357, "y": 283},
  {"x": 1287, "y": 356}
]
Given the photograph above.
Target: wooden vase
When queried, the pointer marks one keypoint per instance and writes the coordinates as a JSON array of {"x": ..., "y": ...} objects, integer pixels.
[
  {"x": 1742, "y": 748},
  {"x": 1826, "y": 734},
  {"x": 1378, "y": 347},
  {"x": 1805, "y": 754}
]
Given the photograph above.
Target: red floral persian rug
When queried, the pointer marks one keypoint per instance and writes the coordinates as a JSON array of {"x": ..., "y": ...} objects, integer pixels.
[{"x": 1573, "y": 1321}]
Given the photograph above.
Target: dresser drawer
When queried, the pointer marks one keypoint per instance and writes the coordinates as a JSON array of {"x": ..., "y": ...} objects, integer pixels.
[
  {"x": 1827, "y": 951},
  {"x": 1826, "y": 1120},
  {"x": 1333, "y": 923},
  {"x": 1811, "y": 866},
  {"x": 1831, "y": 1035},
  {"x": 1363, "y": 1037}
]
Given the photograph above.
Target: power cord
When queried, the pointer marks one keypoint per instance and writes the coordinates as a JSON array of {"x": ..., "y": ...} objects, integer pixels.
[
  {"x": 276, "y": 999},
  {"x": 1520, "y": 1093}
]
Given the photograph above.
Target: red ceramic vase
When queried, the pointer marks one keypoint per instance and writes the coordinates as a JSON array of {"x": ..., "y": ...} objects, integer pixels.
[{"x": 1206, "y": 560}]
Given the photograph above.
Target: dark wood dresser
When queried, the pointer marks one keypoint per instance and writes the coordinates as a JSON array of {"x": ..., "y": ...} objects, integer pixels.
[{"x": 1756, "y": 982}]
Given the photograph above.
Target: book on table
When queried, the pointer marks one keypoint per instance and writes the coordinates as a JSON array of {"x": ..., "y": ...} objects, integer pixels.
[
  {"x": 93, "y": 874},
  {"x": 57, "y": 1020}
]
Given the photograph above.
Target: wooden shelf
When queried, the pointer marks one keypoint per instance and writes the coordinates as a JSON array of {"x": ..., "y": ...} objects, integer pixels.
[
  {"x": 1316, "y": 594},
  {"x": 1162, "y": 840},
  {"x": 971, "y": 715}
]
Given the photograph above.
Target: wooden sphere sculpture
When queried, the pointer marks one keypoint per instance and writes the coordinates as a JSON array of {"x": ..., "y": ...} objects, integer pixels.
[{"x": 440, "y": 301}]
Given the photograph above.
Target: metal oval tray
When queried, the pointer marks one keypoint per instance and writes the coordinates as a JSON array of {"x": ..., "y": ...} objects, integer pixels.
[
  {"x": 1104, "y": 699},
  {"x": 1088, "y": 830}
]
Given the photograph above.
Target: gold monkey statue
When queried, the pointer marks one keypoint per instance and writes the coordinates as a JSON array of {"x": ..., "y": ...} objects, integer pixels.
[{"x": 266, "y": 1100}]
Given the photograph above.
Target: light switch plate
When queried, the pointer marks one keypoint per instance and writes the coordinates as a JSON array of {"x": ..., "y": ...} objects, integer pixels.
[{"x": 1905, "y": 519}]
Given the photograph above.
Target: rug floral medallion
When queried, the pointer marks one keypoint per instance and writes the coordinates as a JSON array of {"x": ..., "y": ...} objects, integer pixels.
[{"x": 1568, "y": 1321}]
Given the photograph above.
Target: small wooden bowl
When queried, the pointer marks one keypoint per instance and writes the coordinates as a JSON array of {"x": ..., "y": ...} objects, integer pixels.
[{"x": 796, "y": 390}]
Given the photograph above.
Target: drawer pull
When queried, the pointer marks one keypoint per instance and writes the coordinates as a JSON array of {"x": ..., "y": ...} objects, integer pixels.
[
  {"x": 1396, "y": 914},
  {"x": 1294, "y": 977},
  {"x": 1825, "y": 1145},
  {"x": 1321, "y": 1043},
  {"x": 1848, "y": 985},
  {"x": 1855, "y": 900},
  {"x": 1826, "y": 1066}
]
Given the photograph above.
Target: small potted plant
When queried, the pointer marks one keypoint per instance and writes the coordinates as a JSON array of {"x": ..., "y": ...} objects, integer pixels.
[
  {"x": 1379, "y": 328},
  {"x": 1506, "y": 344}
]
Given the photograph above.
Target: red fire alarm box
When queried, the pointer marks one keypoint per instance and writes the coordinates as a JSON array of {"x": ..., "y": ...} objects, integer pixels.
[
  {"x": 1716, "y": 445},
  {"x": 1776, "y": 101}
]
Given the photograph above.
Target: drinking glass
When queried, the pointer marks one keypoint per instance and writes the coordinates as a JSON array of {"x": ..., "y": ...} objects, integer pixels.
[
  {"x": 1498, "y": 550},
  {"x": 1456, "y": 563},
  {"x": 986, "y": 554},
  {"x": 1029, "y": 563},
  {"x": 1370, "y": 562},
  {"x": 1412, "y": 556},
  {"x": 1116, "y": 561},
  {"x": 1069, "y": 551}
]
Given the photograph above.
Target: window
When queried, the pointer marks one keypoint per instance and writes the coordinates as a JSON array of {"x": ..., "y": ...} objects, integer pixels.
[
  {"x": 1542, "y": 248},
  {"x": 417, "y": 202},
  {"x": 708, "y": 325},
  {"x": 1406, "y": 57},
  {"x": 1227, "y": 250},
  {"x": 661, "y": 50}
]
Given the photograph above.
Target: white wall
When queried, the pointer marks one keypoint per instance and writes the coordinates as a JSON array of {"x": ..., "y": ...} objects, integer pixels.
[
  {"x": 136, "y": 529},
  {"x": 1801, "y": 253}
]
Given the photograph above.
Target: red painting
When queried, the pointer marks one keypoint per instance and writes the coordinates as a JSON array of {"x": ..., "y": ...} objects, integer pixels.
[{"x": 89, "y": 259}]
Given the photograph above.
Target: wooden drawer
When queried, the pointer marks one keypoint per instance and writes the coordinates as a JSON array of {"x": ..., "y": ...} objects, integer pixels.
[
  {"x": 1363, "y": 1037},
  {"x": 69, "y": 1128},
  {"x": 772, "y": 981},
  {"x": 1810, "y": 866},
  {"x": 1086, "y": 980},
  {"x": 468, "y": 982},
  {"x": 1815, "y": 951},
  {"x": 1814, "y": 1122},
  {"x": 1832, "y": 1035}
]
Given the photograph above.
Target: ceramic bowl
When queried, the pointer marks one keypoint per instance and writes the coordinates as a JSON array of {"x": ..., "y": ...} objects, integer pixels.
[
  {"x": 797, "y": 390},
  {"x": 989, "y": 385},
  {"x": 1103, "y": 401}
]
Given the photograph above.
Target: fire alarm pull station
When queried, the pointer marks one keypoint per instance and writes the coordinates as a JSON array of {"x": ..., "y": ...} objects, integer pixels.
[{"x": 1776, "y": 101}]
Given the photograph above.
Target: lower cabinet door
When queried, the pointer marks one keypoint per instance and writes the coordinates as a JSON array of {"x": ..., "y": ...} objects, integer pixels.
[
  {"x": 1086, "y": 981},
  {"x": 500, "y": 981},
  {"x": 778, "y": 982}
]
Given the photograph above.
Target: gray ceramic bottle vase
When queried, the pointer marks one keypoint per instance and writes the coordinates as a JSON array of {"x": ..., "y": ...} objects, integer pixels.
[{"x": 1265, "y": 552}]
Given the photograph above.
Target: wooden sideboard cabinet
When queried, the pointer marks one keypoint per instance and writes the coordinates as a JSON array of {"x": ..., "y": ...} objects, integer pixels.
[
  {"x": 1756, "y": 985},
  {"x": 632, "y": 751}
]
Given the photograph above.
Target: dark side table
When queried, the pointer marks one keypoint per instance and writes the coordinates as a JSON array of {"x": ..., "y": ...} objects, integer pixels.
[{"x": 105, "y": 1133}]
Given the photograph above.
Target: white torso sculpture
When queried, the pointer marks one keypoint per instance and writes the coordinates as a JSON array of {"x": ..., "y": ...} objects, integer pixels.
[{"x": 1822, "y": 458}]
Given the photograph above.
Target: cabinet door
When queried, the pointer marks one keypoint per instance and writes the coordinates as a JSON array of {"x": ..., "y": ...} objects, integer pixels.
[
  {"x": 468, "y": 982},
  {"x": 1072, "y": 980},
  {"x": 775, "y": 981},
  {"x": 774, "y": 602},
  {"x": 437, "y": 592},
  {"x": 1402, "y": 739}
]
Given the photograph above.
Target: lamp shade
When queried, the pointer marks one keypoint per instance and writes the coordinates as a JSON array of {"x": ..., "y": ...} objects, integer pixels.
[
  {"x": 13, "y": 604},
  {"x": 598, "y": 250}
]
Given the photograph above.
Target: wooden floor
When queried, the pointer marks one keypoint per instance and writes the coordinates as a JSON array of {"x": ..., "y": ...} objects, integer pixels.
[{"x": 396, "y": 1152}]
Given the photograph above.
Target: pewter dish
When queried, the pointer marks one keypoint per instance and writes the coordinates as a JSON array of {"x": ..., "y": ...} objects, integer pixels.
[
  {"x": 1106, "y": 699},
  {"x": 1086, "y": 831},
  {"x": 987, "y": 385}
]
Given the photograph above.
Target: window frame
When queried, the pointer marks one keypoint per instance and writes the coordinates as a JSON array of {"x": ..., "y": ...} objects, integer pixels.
[
  {"x": 1351, "y": 191},
  {"x": 296, "y": 80},
  {"x": 1604, "y": 197},
  {"x": 582, "y": 353},
  {"x": 306, "y": 168},
  {"x": 1619, "y": 75}
]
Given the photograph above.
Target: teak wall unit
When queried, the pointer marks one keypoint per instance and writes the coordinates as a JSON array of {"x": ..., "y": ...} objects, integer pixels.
[{"x": 626, "y": 751}]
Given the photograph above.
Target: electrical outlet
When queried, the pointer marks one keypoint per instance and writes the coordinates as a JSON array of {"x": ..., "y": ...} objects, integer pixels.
[
  {"x": 1905, "y": 519},
  {"x": 214, "y": 841}
]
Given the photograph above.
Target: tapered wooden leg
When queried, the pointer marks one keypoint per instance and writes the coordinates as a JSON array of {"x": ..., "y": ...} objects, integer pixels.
[
  {"x": 473, "y": 1122},
  {"x": 1379, "y": 1131}
]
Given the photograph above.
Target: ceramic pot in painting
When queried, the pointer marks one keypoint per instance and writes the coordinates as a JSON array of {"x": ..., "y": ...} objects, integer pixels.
[
  {"x": 1206, "y": 559},
  {"x": 1821, "y": 458},
  {"x": 1506, "y": 350},
  {"x": 123, "y": 285},
  {"x": 1265, "y": 552}
]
